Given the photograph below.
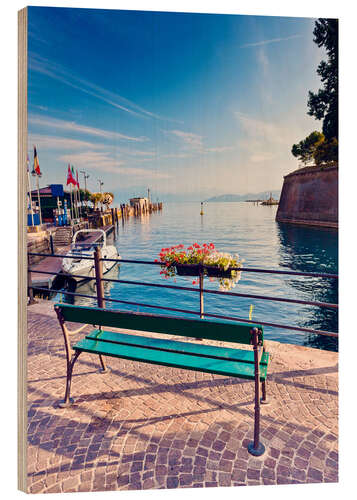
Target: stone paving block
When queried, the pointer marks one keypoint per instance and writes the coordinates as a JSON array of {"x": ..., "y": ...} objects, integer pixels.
[{"x": 147, "y": 427}]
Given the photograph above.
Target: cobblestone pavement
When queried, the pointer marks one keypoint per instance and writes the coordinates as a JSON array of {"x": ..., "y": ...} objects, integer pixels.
[{"x": 142, "y": 426}]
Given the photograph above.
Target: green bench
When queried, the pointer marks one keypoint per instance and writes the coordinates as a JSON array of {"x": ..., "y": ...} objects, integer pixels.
[{"x": 249, "y": 364}]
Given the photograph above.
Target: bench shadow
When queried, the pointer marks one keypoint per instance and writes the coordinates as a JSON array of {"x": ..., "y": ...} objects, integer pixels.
[{"x": 69, "y": 434}]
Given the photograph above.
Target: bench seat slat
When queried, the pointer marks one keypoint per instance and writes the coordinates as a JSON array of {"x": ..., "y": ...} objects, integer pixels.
[
  {"x": 225, "y": 353},
  {"x": 186, "y": 361}
]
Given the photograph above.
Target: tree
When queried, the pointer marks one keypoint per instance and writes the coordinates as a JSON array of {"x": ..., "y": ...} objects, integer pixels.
[
  {"x": 323, "y": 105},
  {"x": 326, "y": 153},
  {"x": 96, "y": 198},
  {"x": 306, "y": 148},
  {"x": 107, "y": 199},
  {"x": 85, "y": 195}
]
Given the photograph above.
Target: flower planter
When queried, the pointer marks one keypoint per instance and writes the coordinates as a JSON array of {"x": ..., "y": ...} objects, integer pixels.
[
  {"x": 217, "y": 272},
  {"x": 188, "y": 269}
]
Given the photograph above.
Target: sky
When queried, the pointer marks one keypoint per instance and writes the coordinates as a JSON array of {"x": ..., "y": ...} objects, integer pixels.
[{"x": 188, "y": 105}]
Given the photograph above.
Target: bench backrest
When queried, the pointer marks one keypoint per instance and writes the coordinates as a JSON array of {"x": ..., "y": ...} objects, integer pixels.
[{"x": 197, "y": 328}]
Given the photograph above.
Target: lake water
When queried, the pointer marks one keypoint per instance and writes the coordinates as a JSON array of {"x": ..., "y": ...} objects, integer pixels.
[{"x": 250, "y": 231}]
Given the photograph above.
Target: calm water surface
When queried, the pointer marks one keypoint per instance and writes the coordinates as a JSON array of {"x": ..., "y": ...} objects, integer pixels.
[{"x": 250, "y": 231}]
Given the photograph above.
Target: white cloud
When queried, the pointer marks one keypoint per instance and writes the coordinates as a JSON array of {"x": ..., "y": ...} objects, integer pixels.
[
  {"x": 93, "y": 160},
  {"x": 194, "y": 143},
  {"x": 189, "y": 138},
  {"x": 266, "y": 42},
  {"x": 176, "y": 155},
  {"x": 58, "y": 72},
  {"x": 104, "y": 162},
  {"x": 76, "y": 127},
  {"x": 260, "y": 129},
  {"x": 49, "y": 142},
  {"x": 261, "y": 157},
  {"x": 219, "y": 149}
]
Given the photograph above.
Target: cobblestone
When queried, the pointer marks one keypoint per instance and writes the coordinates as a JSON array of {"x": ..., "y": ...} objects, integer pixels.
[{"x": 146, "y": 427}]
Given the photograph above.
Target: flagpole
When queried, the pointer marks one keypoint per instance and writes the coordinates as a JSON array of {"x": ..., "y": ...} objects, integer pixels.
[
  {"x": 70, "y": 191},
  {"x": 37, "y": 172},
  {"x": 75, "y": 200},
  {"x": 75, "y": 193},
  {"x": 30, "y": 193},
  {"x": 78, "y": 207},
  {"x": 39, "y": 199},
  {"x": 79, "y": 195}
]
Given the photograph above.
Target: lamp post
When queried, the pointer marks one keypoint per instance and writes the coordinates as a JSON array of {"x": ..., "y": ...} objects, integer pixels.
[
  {"x": 85, "y": 187},
  {"x": 100, "y": 190}
]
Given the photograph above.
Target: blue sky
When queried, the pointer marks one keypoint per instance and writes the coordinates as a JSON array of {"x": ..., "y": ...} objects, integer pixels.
[{"x": 190, "y": 105}]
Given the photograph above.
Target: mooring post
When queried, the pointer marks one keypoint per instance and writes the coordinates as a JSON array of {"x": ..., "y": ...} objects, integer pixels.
[
  {"x": 29, "y": 284},
  {"x": 51, "y": 244}
]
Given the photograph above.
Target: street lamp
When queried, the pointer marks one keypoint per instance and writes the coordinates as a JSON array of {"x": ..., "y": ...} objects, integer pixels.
[
  {"x": 85, "y": 178},
  {"x": 101, "y": 183},
  {"x": 85, "y": 187}
]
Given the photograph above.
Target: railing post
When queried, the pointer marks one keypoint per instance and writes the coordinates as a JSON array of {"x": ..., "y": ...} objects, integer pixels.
[
  {"x": 201, "y": 271},
  {"x": 98, "y": 265}
]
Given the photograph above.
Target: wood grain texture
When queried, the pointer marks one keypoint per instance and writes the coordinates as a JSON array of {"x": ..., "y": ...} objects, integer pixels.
[{"x": 22, "y": 239}]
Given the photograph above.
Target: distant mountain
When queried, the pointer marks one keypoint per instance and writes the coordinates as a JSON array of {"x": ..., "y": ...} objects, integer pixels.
[{"x": 243, "y": 197}]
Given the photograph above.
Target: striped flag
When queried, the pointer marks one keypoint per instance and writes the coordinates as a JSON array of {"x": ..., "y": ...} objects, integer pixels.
[
  {"x": 73, "y": 175},
  {"x": 36, "y": 164}
]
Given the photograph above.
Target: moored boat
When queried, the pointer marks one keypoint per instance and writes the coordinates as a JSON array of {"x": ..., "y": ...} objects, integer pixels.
[{"x": 77, "y": 262}]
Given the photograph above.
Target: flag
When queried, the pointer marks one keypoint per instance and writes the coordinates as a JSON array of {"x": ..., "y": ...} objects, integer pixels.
[
  {"x": 75, "y": 182},
  {"x": 77, "y": 178},
  {"x": 28, "y": 163},
  {"x": 70, "y": 178},
  {"x": 36, "y": 164}
]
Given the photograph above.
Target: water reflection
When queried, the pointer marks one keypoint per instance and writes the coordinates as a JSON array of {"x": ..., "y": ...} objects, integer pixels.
[{"x": 308, "y": 249}]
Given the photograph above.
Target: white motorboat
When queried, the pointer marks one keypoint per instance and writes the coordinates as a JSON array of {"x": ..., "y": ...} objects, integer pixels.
[{"x": 76, "y": 263}]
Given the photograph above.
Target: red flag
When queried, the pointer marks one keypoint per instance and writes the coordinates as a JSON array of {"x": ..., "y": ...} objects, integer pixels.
[
  {"x": 70, "y": 178},
  {"x": 77, "y": 178},
  {"x": 36, "y": 164}
]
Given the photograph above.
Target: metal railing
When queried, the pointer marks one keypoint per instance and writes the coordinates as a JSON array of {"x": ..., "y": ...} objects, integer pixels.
[{"x": 99, "y": 297}]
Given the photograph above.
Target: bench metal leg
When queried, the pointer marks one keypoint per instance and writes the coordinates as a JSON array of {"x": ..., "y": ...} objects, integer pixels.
[
  {"x": 264, "y": 400},
  {"x": 104, "y": 368},
  {"x": 67, "y": 399},
  {"x": 255, "y": 447}
]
